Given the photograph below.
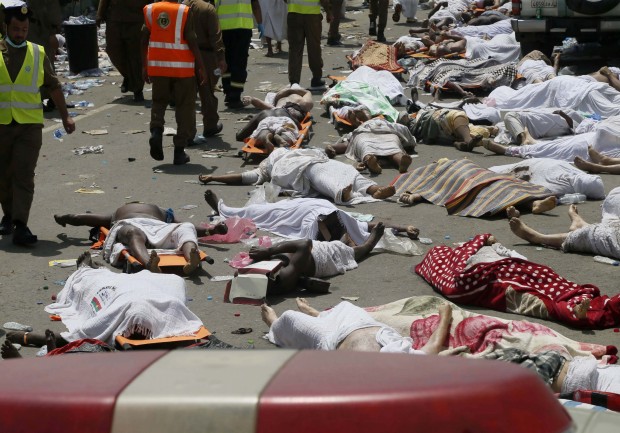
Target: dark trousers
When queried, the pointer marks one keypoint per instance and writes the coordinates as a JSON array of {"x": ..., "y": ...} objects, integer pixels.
[
  {"x": 304, "y": 29},
  {"x": 379, "y": 8},
  {"x": 332, "y": 34},
  {"x": 19, "y": 153},
  {"x": 123, "y": 47},
  {"x": 208, "y": 101},
  {"x": 183, "y": 92},
  {"x": 237, "y": 45}
]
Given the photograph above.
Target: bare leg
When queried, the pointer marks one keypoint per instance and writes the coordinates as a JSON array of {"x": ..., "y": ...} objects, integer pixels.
[
  {"x": 381, "y": 192},
  {"x": 269, "y": 48},
  {"x": 212, "y": 200},
  {"x": 541, "y": 206},
  {"x": 228, "y": 179},
  {"x": 135, "y": 240},
  {"x": 438, "y": 337},
  {"x": 592, "y": 167},
  {"x": 278, "y": 47},
  {"x": 363, "y": 250},
  {"x": 527, "y": 233},
  {"x": 190, "y": 252},
  {"x": 599, "y": 158},
  {"x": 304, "y": 306},
  {"x": 577, "y": 221},
  {"x": 494, "y": 147},
  {"x": 402, "y": 161},
  {"x": 85, "y": 219},
  {"x": 268, "y": 314}
]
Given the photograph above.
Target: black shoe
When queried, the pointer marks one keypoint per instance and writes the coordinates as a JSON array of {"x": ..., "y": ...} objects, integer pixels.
[
  {"x": 334, "y": 43},
  {"x": 317, "y": 84},
  {"x": 372, "y": 30},
  {"x": 23, "y": 236},
  {"x": 6, "y": 225},
  {"x": 180, "y": 157},
  {"x": 138, "y": 96},
  {"x": 381, "y": 37},
  {"x": 213, "y": 131},
  {"x": 124, "y": 88},
  {"x": 235, "y": 104},
  {"x": 156, "y": 143}
]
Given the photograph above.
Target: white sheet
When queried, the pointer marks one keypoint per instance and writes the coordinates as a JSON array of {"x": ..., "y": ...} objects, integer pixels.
[{"x": 504, "y": 48}]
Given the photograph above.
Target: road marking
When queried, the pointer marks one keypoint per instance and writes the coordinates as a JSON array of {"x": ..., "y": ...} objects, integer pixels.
[{"x": 81, "y": 116}]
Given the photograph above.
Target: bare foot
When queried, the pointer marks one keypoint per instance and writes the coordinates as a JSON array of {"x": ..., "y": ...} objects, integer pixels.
[
  {"x": 490, "y": 241},
  {"x": 376, "y": 234},
  {"x": 512, "y": 212},
  {"x": 61, "y": 219},
  {"x": 330, "y": 151},
  {"x": 540, "y": 206},
  {"x": 268, "y": 314},
  {"x": 384, "y": 192},
  {"x": 372, "y": 164},
  {"x": 193, "y": 262},
  {"x": 346, "y": 194},
  {"x": 246, "y": 100},
  {"x": 577, "y": 221},
  {"x": 8, "y": 351},
  {"x": 219, "y": 229},
  {"x": 410, "y": 198},
  {"x": 50, "y": 340},
  {"x": 596, "y": 156},
  {"x": 153, "y": 263},
  {"x": 85, "y": 261},
  {"x": 413, "y": 232},
  {"x": 581, "y": 309},
  {"x": 205, "y": 178},
  {"x": 304, "y": 306},
  {"x": 405, "y": 162},
  {"x": 520, "y": 229},
  {"x": 211, "y": 200}
]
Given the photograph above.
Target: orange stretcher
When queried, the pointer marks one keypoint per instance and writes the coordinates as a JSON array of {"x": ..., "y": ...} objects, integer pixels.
[
  {"x": 250, "y": 149},
  {"x": 165, "y": 260},
  {"x": 161, "y": 343}
]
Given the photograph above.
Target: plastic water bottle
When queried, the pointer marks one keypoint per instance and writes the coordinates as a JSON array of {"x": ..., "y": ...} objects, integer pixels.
[
  {"x": 572, "y": 198},
  {"x": 606, "y": 260},
  {"x": 217, "y": 72},
  {"x": 59, "y": 133},
  {"x": 84, "y": 104}
]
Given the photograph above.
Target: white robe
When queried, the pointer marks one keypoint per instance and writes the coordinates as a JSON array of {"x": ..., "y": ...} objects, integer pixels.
[
  {"x": 410, "y": 8},
  {"x": 504, "y": 48},
  {"x": 274, "y": 18},
  {"x": 535, "y": 70},
  {"x": 332, "y": 258},
  {"x": 499, "y": 28},
  {"x": 378, "y": 137}
]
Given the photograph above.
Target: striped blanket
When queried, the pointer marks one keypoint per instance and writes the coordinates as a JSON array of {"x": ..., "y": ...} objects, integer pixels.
[{"x": 466, "y": 189}]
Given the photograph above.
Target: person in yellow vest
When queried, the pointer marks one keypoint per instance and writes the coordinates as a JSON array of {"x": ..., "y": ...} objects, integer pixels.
[
  {"x": 236, "y": 21},
  {"x": 169, "y": 54},
  {"x": 304, "y": 28},
  {"x": 124, "y": 20},
  {"x": 24, "y": 68}
]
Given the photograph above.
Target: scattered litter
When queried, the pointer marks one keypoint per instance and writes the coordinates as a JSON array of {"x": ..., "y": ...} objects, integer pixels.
[
  {"x": 96, "y": 132},
  {"x": 55, "y": 317},
  {"x": 89, "y": 191},
  {"x": 425, "y": 241},
  {"x": 539, "y": 248},
  {"x": 361, "y": 217},
  {"x": 210, "y": 155},
  {"x": 63, "y": 263},
  {"x": 189, "y": 207},
  {"x": 58, "y": 283},
  {"x": 14, "y": 326},
  {"x": 237, "y": 314},
  {"x": 616, "y": 329},
  {"x": 209, "y": 298},
  {"x": 53, "y": 297},
  {"x": 82, "y": 104},
  {"x": 349, "y": 298},
  {"x": 158, "y": 170},
  {"x": 134, "y": 131},
  {"x": 195, "y": 182},
  {"x": 42, "y": 351},
  {"x": 241, "y": 331},
  {"x": 59, "y": 133},
  {"x": 39, "y": 302},
  {"x": 190, "y": 299},
  {"x": 220, "y": 278},
  {"x": 87, "y": 149},
  {"x": 130, "y": 159},
  {"x": 168, "y": 131},
  {"x": 446, "y": 237}
]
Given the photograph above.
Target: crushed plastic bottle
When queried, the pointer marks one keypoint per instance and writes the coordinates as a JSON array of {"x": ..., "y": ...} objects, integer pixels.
[
  {"x": 59, "y": 133},
  {"x": 425, "y": 241},
  {"x": 572, "y": 198},
  {"x": 84, "y": 104},
  {"x": 606, "y": 260}
]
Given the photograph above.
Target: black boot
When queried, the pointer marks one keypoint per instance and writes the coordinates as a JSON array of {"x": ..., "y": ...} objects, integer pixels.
[
  {"x": 6, "y": 225},
  {"x": 23, "y": 235},
  {"x": 124, "y": 86},
  {"x": 180, "y": 157},
  {"x": 156, "y": 143},
  {"x": 380, "y": 35},
  {"x": 372, "y": 30}
]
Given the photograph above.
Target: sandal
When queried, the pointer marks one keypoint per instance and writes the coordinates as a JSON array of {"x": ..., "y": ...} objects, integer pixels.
[{"x": 242, "y": 331}]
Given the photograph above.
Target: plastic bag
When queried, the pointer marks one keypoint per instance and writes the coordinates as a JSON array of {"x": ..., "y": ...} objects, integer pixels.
[
  {"x": 241, "y": 260},
  {"x": 264, "y": 193},
  {"x": 238, "y": 229},
  {"x": 398, "y": 245}
]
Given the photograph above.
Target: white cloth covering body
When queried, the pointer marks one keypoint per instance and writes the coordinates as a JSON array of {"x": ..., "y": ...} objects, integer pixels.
[
  {"x": 559, "y": 177},
  {"x": 544, "y": 123},
  {"x": 296, "y": 218},
  {"x": 274, "y": 18},
  {"x": 280, "y": 125},
  {"x": 384, "y": 80},
  {"x": 579, "y": 93},
  {"x": 504, "y": 48},
  {"x": 535, "y": 70},
  {"x": 602, "y": 238},
  {"x": 490, "y": 30},
  {"x": 159, "y": 234},
  {"x": 379, "y": 137},
  {"x": 332, "y": 258},
  {"x": 296, "y": 330},
  {"x": 101, "y": 304},
  {"x": 585, "y": 373}
]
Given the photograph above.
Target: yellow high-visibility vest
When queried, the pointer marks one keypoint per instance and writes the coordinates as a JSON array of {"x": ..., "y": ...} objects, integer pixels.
[
  {"x": 21, "y": 100},
  {"x": 306, "y": 7},
  {"x": 235, "y": 14}
]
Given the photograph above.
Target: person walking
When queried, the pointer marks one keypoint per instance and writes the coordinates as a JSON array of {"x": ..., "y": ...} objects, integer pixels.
[
  {"x": 304, "y": 28},
  {"x": 24, "y": 68},
  {"x": 169, "y": 53},
  {"x": 378, "y": 9},
  {"x": 237, "y": 21},
  {"x": 212, "y": 51},
  {"x": 124, "y": 20}
]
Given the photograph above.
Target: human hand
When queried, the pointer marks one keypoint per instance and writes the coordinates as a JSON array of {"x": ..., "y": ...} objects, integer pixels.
[
  {"x": 261, "y": 30},
  {"x": 69, "y": 124}
]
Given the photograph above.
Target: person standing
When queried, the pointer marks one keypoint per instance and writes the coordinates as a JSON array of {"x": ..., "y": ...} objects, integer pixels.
[
  {"x": 24, "y": 68},
  {"x": 237, "y": 21},
  {"x": 378, "y": 9},
  {"x": 124, "y": 20},
  {"x": 169, "y": 53},
  {"x": 304, "y": 28},
  {"x": 333, "y": 34},
  {"x": 274, "y": 22},
  {"x": 209, "y": 37}
]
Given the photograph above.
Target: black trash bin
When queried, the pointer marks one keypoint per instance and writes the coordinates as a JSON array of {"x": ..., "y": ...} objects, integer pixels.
[{"x": 82, "y": 47}]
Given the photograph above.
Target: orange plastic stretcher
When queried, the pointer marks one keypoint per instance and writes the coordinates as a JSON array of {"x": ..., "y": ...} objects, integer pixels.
[
  {"x": 250, "y": 149},
  {"x": 165, "y": 260},
  {"x": 161, "y": 343}
]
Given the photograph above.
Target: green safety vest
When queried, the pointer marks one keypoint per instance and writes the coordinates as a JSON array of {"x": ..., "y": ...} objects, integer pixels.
[
  {"x": 306, "y": 7},
  {"x": 235, "y": 14},
  {"x": 21, "y": 100}
]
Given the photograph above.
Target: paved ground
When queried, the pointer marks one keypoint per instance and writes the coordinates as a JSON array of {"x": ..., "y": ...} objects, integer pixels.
[{"x": 27, "y": 282}]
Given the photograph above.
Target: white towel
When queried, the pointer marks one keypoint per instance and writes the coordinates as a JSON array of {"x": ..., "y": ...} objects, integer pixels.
[{"x": 332, "y": 258}]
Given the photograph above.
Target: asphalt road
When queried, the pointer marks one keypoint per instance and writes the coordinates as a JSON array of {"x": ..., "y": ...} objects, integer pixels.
[{"x": 27, "y": 282}]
